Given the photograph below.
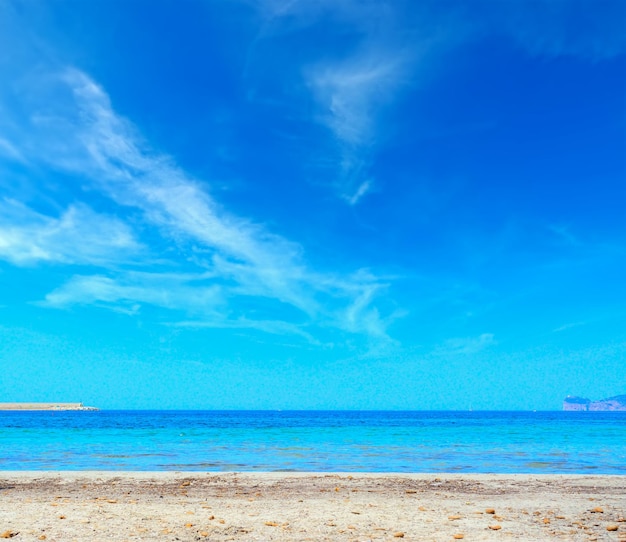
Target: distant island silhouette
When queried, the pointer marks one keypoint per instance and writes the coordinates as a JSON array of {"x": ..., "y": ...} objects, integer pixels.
[{"x": 573, "y": 403}]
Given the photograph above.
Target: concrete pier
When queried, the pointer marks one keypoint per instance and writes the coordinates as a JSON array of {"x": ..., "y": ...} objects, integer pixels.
[{"x": 45, "y": 406}]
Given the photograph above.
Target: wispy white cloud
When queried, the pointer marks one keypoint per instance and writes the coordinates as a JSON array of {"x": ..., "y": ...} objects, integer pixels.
[
  {"x": 350, "y": 87},
  {"x": 570, "y": 325},
  {"x": 350, "y": 94},
  {"x": 80, "y": 133},
  {"x": 8, "y": 150},
  {"x": 78, "y": 236},
  {"x": 582, "y": 28},
  {"x": 275, "y": 327},
  {"x": 565, "y": 235},
  {"x": 291, "y": 15},
  {"x": 465, "y": 345},
  {"x": 386, "y": 46},
  {"x": 361, "y": 190},
  {"x": 130, "y": 291}
]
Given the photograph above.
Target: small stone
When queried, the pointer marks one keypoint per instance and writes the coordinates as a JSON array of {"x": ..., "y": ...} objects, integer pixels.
[
  {"x": 495, "y": 527},
  {"x": 42, "y": 537},
  {"x": 189, "y": 525},
  {"x": 112, "y": 501},
  {"x": 271, "y": 524},
  {"x": 456, "y": 516},
  {"x": 612, "y": 527},
  {"x": 411, "y": 491},
  {"x": 458, "y": 536},
  {"x": 211, "y": 517},
  {"x": 185, "y": 483},
  {"x": 490, "y": 511},
  {"x": 546, "y": 520},
  {"x": 204, "y": 534},
  {"x": 422, "y": 508},
  {"x": 61, "y": 517},
  {"x": 597, "y": 510},
  {"x": 8, "y": 534},
  {"x": 621, "y": 519},
  {"x": 398, "y": 535}
]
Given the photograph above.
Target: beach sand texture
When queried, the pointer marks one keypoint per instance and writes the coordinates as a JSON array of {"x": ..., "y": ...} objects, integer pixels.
[{"x": 113, "y": 506}]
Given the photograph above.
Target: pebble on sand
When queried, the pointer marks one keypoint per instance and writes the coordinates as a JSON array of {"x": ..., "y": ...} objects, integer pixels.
[
  {"x": 612, "y": 527},
  {"x": 458, "y": 536},
  {"x": 398, "y": 535},
  {"x": 8, "y": 534},
  {"x": 495, "y": 527},
  {"x": 490, "y": 511}
]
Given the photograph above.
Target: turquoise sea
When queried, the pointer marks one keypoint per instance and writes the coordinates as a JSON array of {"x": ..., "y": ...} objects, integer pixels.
[{"x": 470, "y": 442}]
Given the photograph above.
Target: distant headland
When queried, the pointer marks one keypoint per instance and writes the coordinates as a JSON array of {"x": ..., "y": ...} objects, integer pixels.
[
  {"x": 45, "y": 406},
  {"x": 573, "y": 403}
]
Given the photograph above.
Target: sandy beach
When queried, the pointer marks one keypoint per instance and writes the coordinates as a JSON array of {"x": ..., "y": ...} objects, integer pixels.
[{"x": 120, "y": 506}]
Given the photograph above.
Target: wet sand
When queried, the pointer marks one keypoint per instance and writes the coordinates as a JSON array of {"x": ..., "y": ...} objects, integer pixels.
[{"x": 121, "y": 506}]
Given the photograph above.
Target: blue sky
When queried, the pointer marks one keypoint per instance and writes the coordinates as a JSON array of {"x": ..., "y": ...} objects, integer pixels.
[{"x": 312, "y": 205}]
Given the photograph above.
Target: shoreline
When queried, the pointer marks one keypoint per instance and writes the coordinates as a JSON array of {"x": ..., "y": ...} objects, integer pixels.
[
  {"x": 176, "y": 474},
  {"x": 299, "y": 506}
]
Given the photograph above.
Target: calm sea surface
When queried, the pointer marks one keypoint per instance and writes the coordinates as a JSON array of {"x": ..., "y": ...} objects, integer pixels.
[{"x": 479, "y": 442}]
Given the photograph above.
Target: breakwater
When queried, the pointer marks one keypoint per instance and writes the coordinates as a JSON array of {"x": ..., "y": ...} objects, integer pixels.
[{"x": 45, "y": 406}]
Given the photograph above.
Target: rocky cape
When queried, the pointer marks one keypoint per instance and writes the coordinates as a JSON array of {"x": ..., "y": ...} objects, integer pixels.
[{"x": 573, "y": 403}]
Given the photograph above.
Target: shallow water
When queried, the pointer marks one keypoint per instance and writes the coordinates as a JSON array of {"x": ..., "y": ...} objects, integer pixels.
[{"x": 476, "y": 442}]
